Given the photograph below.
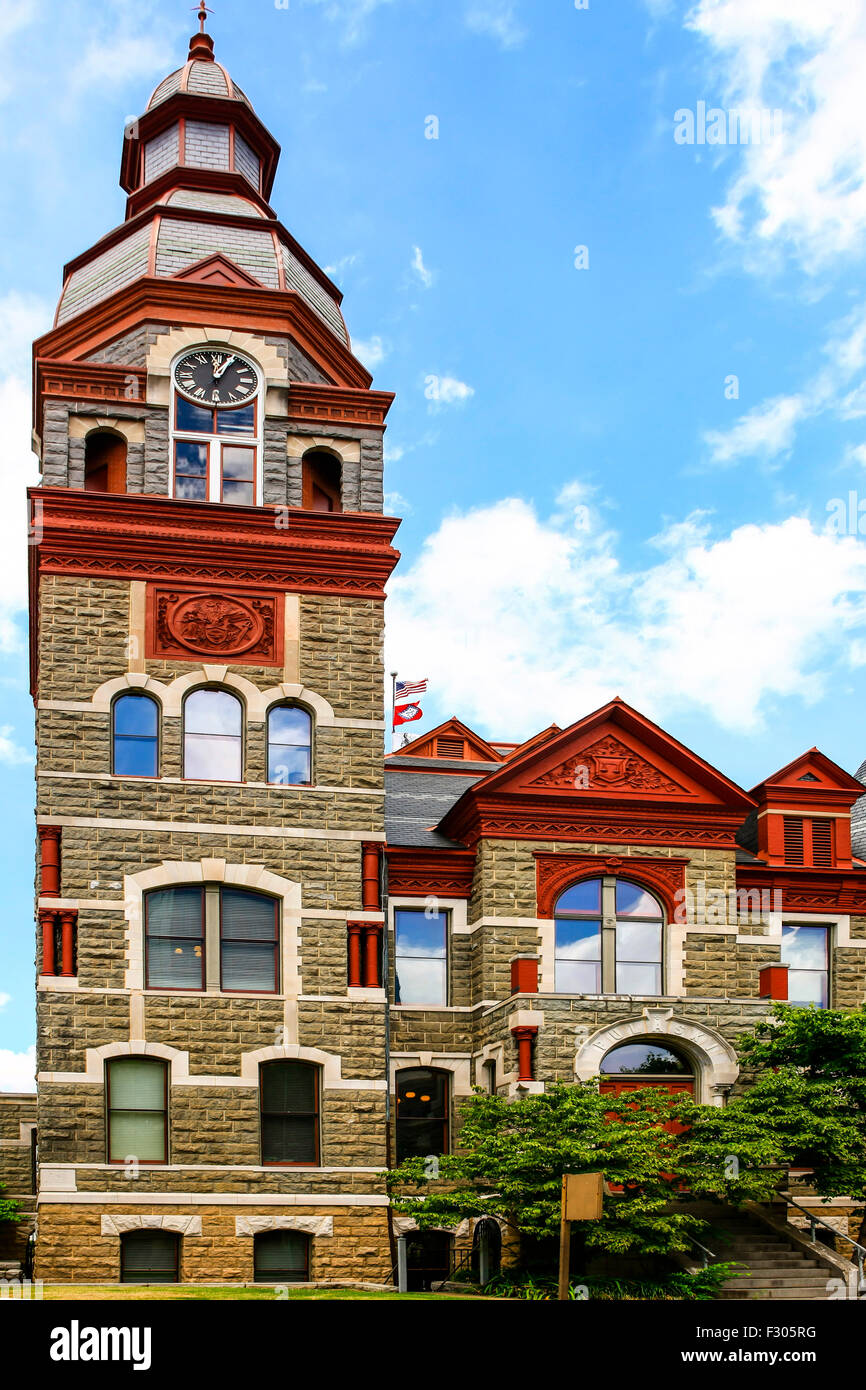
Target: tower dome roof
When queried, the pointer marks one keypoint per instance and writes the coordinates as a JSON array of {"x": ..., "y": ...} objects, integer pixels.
[{"x": 201, "y": 75}]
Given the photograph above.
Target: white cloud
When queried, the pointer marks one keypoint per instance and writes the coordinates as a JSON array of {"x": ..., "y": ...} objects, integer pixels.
[
  {"x": 446, "y": 390},
  {"x": 18, "y": 1070},
  {"x": 122, "y": 58},
  {"x": 4, "y": 1000},
  {"x": 762, "y": 433},
  {"x": 371, "y": 351},
  {"x": 498, "y": 20},
  {"x": 770, "y": 428},
  {"x": 393, "y": 452},
  {"x": 396, "y": 504},
  {"x": 424, "y": 275},
  {"x": 543, "y": 607},
  {"x": 10, "y": 751},
  {"x": 803, "y": 193}
]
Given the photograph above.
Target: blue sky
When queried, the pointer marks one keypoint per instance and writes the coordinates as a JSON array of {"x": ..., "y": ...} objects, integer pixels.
[{"x": 622, "y": 468}]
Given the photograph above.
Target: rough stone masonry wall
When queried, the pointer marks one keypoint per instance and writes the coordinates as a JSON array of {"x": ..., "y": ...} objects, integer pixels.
[
  {"x": 73, "y": 1249},
  {"x": 17, "y": 1113}
]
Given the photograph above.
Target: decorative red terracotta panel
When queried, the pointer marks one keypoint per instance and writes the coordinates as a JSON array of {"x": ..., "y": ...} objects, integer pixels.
[
  {"x": 555, "y": 872},
  {"x": 201, "y": 625}
]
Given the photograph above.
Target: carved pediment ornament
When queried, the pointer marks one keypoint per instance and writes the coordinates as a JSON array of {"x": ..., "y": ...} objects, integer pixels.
[
  {"x": 608, "y": 765},
  {"x": 214, "y": 624}
]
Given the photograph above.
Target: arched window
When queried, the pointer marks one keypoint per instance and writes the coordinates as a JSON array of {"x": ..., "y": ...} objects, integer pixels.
[
  {"x": 290, "y": 739},
  {"x": 135, "y": 736},
  {"x": 644, "y": 1059},
  {"x": 212, "y": 736},
  {"x": 281, "y": 1257},
  {"x": 486, "y": 1249},
  {"x": 236, "y": 929},
  {"x": 137, "y": 1109},
  {"x": 422, "y": 1113},
  {"x": 289, "y": 1093},
  {"x": 104, "y": 462},
  {"x": 609, "y": 939},
  {"x": 149, "y": 1257},
  {"x": 321, "y": 482}
]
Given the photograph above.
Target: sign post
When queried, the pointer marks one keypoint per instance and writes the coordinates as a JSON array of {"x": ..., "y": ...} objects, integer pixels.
[{"x": 581, "y": 1201}]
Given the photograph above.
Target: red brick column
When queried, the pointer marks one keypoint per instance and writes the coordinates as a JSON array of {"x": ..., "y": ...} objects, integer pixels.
[
  {"x": 370, "y": 877},
  {"x": 49, "y": 849},
  {"x": 371, "y": 955},
  {"x": 355, "y": 929},
  {"x": 525, "y": 1037},
  {"x": 47, "y": 918},
  {"x": 774, "y": 982},
  {"x": 67, "y": 940}
]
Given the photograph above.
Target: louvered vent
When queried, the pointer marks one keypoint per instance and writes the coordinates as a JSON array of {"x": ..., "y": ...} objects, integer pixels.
[
  {"x": 793, "y": 840},
  {"x": 822, "y": 844},
  {"x": 449, "y": 747}
]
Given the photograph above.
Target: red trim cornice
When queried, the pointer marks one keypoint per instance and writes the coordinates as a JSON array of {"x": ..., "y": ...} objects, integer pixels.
[
  {"x": 188, "y": 176},
  {"x": 186, "y": 304},
  {"x": 663, "y": 876},
  {"x": 145, "y": 537},
  {"x": 809, "y": 890},
  {"x": 523, "y": 817},
  {"x": 97, "y": 381},
  {"x": 338, "y": 405},
  {"x": 446, "y": 873}
]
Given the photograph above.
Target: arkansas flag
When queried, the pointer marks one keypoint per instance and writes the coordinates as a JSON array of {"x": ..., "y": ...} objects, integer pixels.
[{"x": 404, "y": 714}]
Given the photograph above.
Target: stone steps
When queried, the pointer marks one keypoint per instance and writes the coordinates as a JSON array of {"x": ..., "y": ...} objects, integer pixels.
[{"x": 773, "y": 1267}]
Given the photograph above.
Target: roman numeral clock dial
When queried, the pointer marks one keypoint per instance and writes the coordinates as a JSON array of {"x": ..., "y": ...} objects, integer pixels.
[{"x": 215, "y": 377}]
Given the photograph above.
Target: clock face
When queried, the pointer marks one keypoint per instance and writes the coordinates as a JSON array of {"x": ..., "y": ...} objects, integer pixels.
[{"x": 216, "y": 377}]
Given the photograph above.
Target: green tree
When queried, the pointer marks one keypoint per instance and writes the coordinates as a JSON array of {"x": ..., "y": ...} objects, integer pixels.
[
  {"x": 807, "y": 1087},
  {"x": 9, "y": 1210},
  {"x": 512, "y": 1155}
]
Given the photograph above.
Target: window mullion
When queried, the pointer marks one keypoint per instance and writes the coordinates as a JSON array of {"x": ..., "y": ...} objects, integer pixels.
[
  {"x": 212, "y": 938},
  {"x": 608, "y": 936}
]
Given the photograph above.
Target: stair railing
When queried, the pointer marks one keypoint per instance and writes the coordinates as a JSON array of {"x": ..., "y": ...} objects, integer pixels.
[
  {"x": 816, "y": 1221},
  {"x": 706, "y": 1255}
]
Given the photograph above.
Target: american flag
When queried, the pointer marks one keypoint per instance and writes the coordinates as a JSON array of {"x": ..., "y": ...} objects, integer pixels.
[{"x": 405, "y": 689}]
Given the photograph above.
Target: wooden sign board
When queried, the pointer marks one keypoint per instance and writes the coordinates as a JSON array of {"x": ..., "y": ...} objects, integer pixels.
[{"x": 582, "y": 1196}]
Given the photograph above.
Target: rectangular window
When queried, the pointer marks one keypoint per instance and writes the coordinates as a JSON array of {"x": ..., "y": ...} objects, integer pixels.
[
  {"x": 175, "y": 938},
  {"x": 137, "y": 1091},
  {"x": 578, "y": 957},
  {"x": 238, "y": 474},
  {"x": 290, "y": 1113},
  {"x": 638, "y": 957},
  {"x": 190, "y": 470},
  {"x": 249, "y": 939},
  {"x": 805, "y": 951},
  {"x": 421, "y": 957}
]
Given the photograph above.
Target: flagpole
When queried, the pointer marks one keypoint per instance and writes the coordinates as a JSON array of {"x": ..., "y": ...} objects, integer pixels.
[{"x": 393, "y": 706}]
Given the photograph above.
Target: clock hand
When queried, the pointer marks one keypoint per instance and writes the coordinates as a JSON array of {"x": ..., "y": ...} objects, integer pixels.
[{"x": 221, "y": 370}]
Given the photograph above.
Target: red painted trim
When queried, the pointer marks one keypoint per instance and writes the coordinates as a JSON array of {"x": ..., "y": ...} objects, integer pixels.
[
  {"x": 664, "y": 877},
  {"x": 525, "y": 1037},
  {"x": 369, "y": 866},
  {"x": 773, "y": 982},
  {"x": 188, "y": 305},
  {"x": 139, "y": 536},
  {"x": 49, "y": 855},
  {"x": 372, "y": 954},
  {"x": 354, "y": 930},
  {"x": 808, "y": 890},
  {"x": 159, "y": 644},
  {"x": 216, "y": 110},
  {"x": 47, "y": 919},
  {"x": 444, "y": 873},
  {"x": 524, "y": 975},
  {"x": 204, "y": 180},
  {"x": 517, "y": 817},
  {"x": 68, "y": 921}
]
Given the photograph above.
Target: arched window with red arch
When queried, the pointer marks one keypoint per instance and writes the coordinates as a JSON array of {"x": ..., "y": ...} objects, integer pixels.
[{"x": 609, "y": 939}]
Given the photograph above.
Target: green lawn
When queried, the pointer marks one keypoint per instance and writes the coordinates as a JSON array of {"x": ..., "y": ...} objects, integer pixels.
[{"x": 80, "y": 1293}]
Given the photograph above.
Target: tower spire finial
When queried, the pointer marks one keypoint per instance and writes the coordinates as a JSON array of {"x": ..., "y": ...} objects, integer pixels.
[{"x": 201, "y": 44}]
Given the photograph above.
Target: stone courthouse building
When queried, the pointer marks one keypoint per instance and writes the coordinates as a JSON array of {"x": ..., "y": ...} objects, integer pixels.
[{"x": 272, "y": 960}]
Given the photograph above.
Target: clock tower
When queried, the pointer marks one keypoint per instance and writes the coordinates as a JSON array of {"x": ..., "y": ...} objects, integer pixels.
[{"x": 208, "y": 563}]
